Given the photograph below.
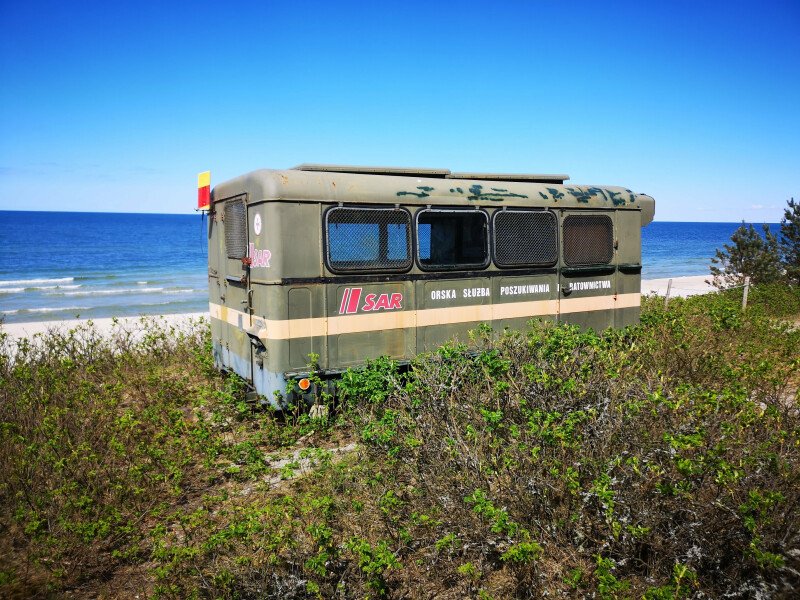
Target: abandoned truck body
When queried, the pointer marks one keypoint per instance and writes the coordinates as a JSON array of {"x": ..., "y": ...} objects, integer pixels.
[{"x": 352, "y": 263}]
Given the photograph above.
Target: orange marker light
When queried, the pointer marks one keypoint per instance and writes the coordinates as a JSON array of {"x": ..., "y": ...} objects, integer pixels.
[
  {"x": 304, "y": 384},
  {"x": 204, "y": 190}
]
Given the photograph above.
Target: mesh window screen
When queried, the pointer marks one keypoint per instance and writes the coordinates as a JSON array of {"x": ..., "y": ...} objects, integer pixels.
[
  {"x": 452, "y": 239},
  {"x": 368, "y": 239},
  {"x": 588, "y": 240},
  {"x": 235, "y": 228},
  {"x": 525, "y": 238}
]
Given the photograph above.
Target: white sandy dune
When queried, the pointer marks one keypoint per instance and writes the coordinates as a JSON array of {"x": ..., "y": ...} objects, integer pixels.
[{"x": 681, "y": 286}]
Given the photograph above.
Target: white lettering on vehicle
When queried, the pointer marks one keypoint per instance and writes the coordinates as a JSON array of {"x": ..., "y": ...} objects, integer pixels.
[
  {"x": 351, "y": 302},
  {"x": 476, "y": 292},
  {"x": 578, "y": 286},
  {"x": 522, "y": 290},
  {"x": 258, "y": 258},
  {"x": 443, "y": 294}
]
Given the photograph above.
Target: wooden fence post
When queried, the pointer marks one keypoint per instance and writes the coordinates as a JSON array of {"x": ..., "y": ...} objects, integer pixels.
[
  {"x": 666, "y": 298},
  {"x": 746, "y": 291}
]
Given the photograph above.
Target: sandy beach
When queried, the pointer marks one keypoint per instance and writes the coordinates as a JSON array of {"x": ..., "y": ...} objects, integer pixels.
[
  {"x": 681, "y": 286},
  {"x": 104, "y": 325}
]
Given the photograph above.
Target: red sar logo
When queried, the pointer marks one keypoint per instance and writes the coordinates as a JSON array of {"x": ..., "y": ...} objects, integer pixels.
[{"x": 372, "y": 302}]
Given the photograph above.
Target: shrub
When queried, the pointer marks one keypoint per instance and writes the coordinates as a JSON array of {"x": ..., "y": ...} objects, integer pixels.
[
  {"x": 657, "y": 461},
  {"x": 660, "y": 460},
  {"x": 749, "y": 255},
  {"x": 92, "y": 437},
  {"x": 790, "y": 241}
]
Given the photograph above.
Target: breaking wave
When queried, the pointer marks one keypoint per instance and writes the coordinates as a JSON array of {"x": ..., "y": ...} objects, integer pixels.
[
  {"x": 27, "y": 282},
  {"x": 116, "y": 292},
  {"x": 123, "y": 291},
  {"x": 45, "y": 309}
]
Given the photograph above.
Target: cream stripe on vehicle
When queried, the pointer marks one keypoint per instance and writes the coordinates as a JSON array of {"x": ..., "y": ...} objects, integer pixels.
[
  {"x": 285, "y": 329},
  {"x": 573, "y": 305}
]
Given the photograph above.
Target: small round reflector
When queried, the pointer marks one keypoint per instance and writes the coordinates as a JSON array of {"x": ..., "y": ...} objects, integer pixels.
[{"x": 304, "y": 384}]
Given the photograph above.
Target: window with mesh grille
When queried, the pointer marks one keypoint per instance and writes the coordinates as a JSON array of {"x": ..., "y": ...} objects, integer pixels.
[
  {"x": 525, "y": 238},
  {"x": 235, "y": 228},
  {"x": 588, "y": 240},
  {"x": 368, "y": 239},
  {"x": 449, "y": 239}
]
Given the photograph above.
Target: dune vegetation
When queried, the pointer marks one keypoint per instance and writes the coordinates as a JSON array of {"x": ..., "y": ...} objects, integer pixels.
[{"x": 660, "y": 461}]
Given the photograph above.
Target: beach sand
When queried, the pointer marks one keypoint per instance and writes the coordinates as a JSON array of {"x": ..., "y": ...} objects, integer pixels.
[
  {"x": 104, "y": 325},
  {"x": 681, "y": 286}
]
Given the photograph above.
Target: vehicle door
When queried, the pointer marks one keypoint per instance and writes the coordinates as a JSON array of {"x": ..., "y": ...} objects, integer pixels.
[
  {"x": 235, "y": 297},
  {"x": 629, "y": 267},
  {"x": 587, "y": 278}
]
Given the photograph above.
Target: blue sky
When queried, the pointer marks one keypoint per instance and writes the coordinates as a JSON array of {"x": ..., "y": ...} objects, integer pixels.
[{"x": 115, "y": 106}]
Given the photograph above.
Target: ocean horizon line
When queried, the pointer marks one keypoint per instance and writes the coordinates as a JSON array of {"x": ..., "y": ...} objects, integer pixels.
[{"x": 194, "y": 212}]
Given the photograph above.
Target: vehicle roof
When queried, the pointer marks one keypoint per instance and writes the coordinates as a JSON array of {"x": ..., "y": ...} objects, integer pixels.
[
  {"x": 422, "y": 187},
  {"x": 438, "y": 173}
]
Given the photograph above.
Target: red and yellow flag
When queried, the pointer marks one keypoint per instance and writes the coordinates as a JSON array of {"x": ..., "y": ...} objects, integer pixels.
[{"x": 204, "y": 190}]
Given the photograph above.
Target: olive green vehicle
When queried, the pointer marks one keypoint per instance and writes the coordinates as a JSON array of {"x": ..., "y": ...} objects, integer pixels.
[{"x": 352, "y": 263}]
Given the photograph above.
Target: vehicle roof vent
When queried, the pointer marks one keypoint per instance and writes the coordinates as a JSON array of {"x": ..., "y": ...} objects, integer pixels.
[
  {"x": 521, "y": 177},
  {"x": 401, "y": 171}
]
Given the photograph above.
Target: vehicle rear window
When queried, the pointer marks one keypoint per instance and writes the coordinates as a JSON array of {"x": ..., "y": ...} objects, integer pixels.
[
  {"x": 235, "y": 219},
  {"x": 588, "y": 240},
  {"x": 525, "y": 238},
  {"x": 449, "y": 239},
  {"x": 368, "y": 239}
]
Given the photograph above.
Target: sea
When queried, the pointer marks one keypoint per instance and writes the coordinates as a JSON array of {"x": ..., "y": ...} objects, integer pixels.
[{"x": 64, "y": 265}]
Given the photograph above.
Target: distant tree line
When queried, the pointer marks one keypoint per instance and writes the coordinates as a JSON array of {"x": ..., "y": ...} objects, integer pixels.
[{"x": 766, "y": 258}]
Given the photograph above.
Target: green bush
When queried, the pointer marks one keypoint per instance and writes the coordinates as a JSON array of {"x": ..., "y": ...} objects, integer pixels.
[
  {"x": 92, "y": 437},
  {"x": 620, "y": 455},
  {"x": 658, "y": 461}
]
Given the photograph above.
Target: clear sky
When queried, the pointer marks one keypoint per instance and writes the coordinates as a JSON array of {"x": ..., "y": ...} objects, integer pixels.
[{"x": 116, "y": 106}]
